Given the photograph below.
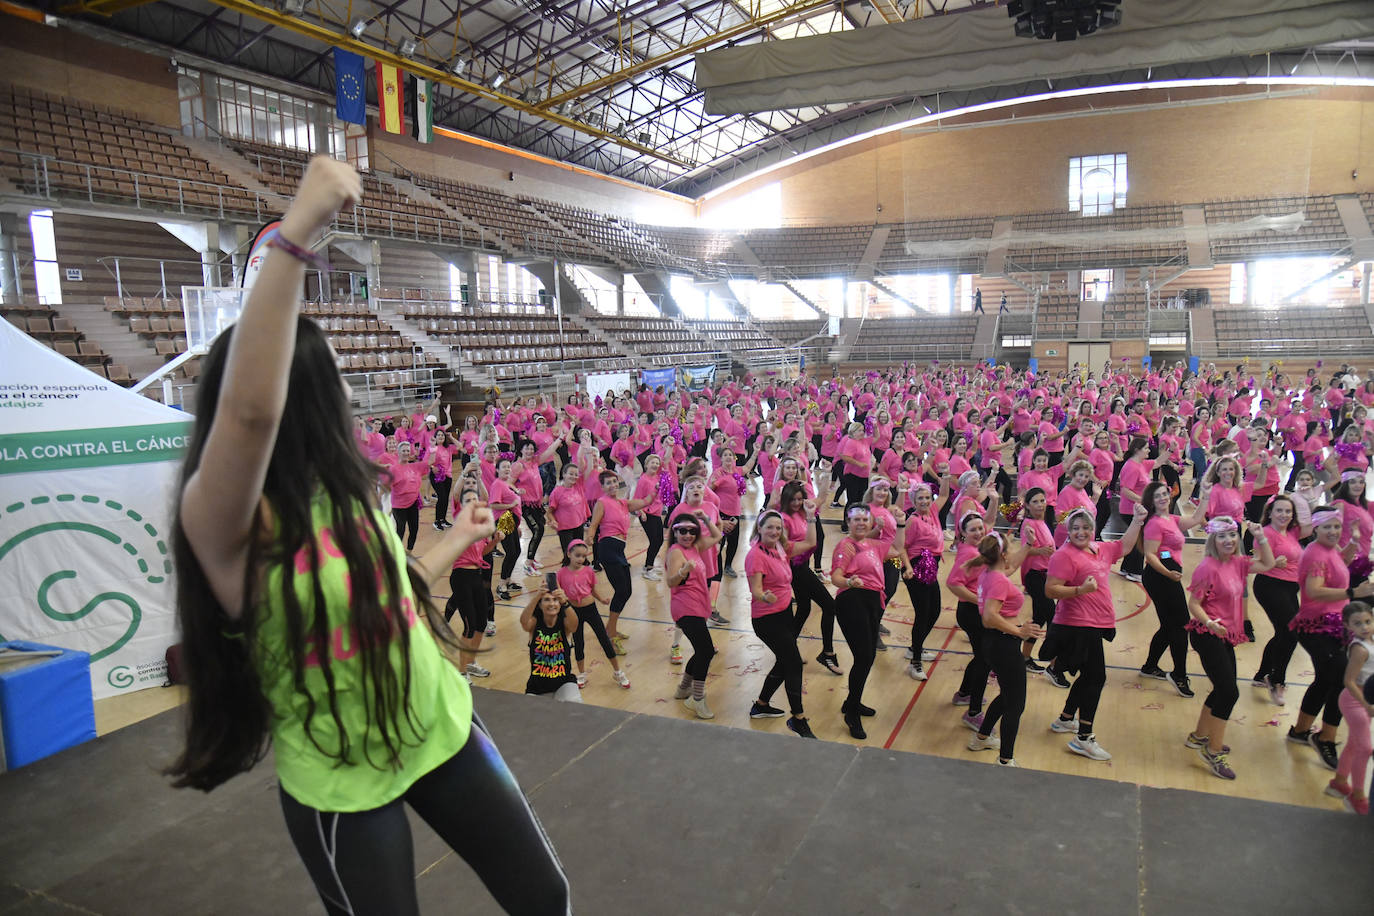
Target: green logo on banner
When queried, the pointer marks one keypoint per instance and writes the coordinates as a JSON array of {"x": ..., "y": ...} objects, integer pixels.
[{"x": 92, "y": 448}]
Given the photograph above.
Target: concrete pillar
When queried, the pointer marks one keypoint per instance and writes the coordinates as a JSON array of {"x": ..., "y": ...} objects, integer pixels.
[
  {"x": 620, "y": 298},
  {"x": 1251, "y": 282},
  {"x": 10, "y": 292},
  {"x": 1368, "y": 266},
  {"x": 209, "y": 258}
]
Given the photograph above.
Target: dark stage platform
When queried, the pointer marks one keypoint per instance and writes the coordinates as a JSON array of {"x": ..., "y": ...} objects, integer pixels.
[{"x": 656, "y": 816}]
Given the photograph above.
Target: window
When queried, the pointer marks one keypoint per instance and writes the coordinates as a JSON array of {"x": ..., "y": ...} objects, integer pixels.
[
  {"x": 46, "y": 275},
  {"x": 217, "y": 106},
  {"x": 1097, "y": 184},
  {"x": 1097, "y": 285}
]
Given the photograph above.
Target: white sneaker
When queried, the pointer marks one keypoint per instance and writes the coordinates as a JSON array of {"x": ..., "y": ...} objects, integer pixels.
[
  {"x": 582, "y": 680},
  {"x": 491, "y": 629},
  {"x": 915, "y": 671},
  {"x": 531, "y": 568},
  {"x": 978, "y": 743},
  {"x": 622, "y": 679},
  {"x": 1065, "y": 728},
  {"x": 651, "y": 574},
  {"x": 1088, "y": 747},
  {"x": 927, "y": 655},
  {"x": 682, "y": 693},
  {"x": 1008, "y": 763},
  {"x": 476, "y": 670},
  {"x": 908, "y": 655},
  {"x": 699, "y": 707}
]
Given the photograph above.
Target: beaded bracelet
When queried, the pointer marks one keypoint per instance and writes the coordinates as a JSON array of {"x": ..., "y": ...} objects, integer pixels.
[{"x": 311, "y": 258}]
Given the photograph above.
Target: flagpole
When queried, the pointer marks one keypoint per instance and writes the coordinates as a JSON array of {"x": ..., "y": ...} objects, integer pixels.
[{"x": 558, "y": 309}]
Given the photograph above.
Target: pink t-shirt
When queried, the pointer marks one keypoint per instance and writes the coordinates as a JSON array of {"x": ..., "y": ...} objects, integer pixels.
[
  {"x": 924, "y": 532},
  {"x": 962, "y": 574},
  {"x": 796, "y": 527},
  {"x": 692, "y": 598},
  {"x": 1219, "y": 587},
  {"x": 1073, "y": 566},
  {"x": 647, "y": 487},
  {"x": 1326, "y": 564},
  {"x": 993, "y": 584},
  {"x": 884, "y": 529},
  {"x": 859, "y": 559},
  {"x": 1284, "y": 544},
  {"x": 615, "y": 518},
  {"x": 500, "y": 492},
  {"x": 568, "y": 507},
  {"x": 1228, "y": 501},
  {"x": 1047, "y": 480},
  {"x": 1165, "y": 530},
  {"x": 577, "y": 584},
  {"x": 777, "y": 578},
  {"x": 1035, "y": 533},
  {"x": 727, "y": 491},
  {"x": 1135, "y": 476},
  {"x": 405, "y": 484}
]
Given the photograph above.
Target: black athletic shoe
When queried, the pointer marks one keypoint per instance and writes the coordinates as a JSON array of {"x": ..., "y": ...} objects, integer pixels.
[
  {"x": 764, "y": 711},
  {"x": 1033, "y": 666},
  {"x": 1154, "y": 671},
  {"x": 860, "y": 708},
  {"x": 1056, "y": 678},
  {"x": 1181, "y": 684},
  {"x": 801, "y": 727},
  {"x": 1326, "y": 750},
  {"x": 1298, "y": 737},
  {"x": 883, "y": 631},
  {"x": 830, "y": 663},
  {"x": 856, "y": 728}
]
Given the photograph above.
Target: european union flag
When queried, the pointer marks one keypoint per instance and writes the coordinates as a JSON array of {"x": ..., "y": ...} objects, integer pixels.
[{"x": 350, "y": 100}]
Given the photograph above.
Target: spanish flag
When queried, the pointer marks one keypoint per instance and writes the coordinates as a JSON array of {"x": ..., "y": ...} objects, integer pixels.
[{"x": 390, "y": 99}]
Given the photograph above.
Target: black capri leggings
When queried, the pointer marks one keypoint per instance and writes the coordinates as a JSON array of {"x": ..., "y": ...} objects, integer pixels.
[
  {"x": 611, "y": 552},
  {"x": 363, "y": 862},
  {"x": 779, "y": 635},
  {"x": 534, "y": 520},
  {"x": 565, "y": 537},
  {"x": 653, "y": 530},
  {"x": 1218, "y": 659},
  {"x": 1280, "y": 602},
  {"x": 975, "y": 680},
  {"x": 854, "y": 489},
  {"x": 703, "y": 649},
  {"x": 730, "y": 542},
  {"x": 407, "y": 517},
  {"x": 806, "y": 588},
  {"x": 1328, "y": 660},
  {"x": 510, "y": 552},
  {"x": 1080, "y": 649},
  {"x": 442, "y": 489},
  {"x": 1002, "y": 654},
  {"x": 1171, "y": 607},
  {"x": 1042, "y": 606},
  {"x": 468, "y": 596},
  {"x": 588, "y": 615},
  {"x": 925, "y": 605},
  {"x": 858, "y": 610}
]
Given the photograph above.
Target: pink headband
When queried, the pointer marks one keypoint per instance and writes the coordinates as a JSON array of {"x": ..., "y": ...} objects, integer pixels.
[
  {"x": 1325, "y": 510},
  {"x": 576, "y": 542},
  {"x": 1351, "y": 474},
  {"x": 1222, "y": 524}
]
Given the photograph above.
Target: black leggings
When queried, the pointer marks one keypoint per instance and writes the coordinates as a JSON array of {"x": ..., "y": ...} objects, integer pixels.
[
  {"x": 653, "y": 530},
  {"x": 820, "y": 543},
  {"x": 1171, "y": 607},
  {"x": 805, "y": 589},
  {"x": 588, "y": 615},
  {"x": 1218, "y": 659},
  {"x": 1134, "y": 562},
  {"x": 730, "y": 542},
  {"x": 1280, "y": 602},
  {"x": 1328, "y": 660},
  {"x": 534, "y": 520},
  {"x": 442, "y": 489},
  {"x": 892, "y": 577},
  {"x": 975, "y": 680},
  {"x": 407, "y": 517},
  {"x": 925, "y": 606},
  {"x": 611, "y": 552},
  {"x": 363, "y": 862},
  {"x": 565, "y": 537},
  {"x": 468, "y": 594},
  {"x": 1042, "y": 606},
  {"x": 858, "y": 610},
  {"x": 1002, "y": 654},
  {"x": 854, "y": 489},
  {"x": 780, "y": 637},
  {"x": 510, "y": 552},
  {"x": 703, "y": 649},
  {"x": 1081, "y": 648}
]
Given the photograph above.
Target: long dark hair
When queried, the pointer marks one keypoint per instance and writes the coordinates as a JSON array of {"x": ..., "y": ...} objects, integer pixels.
[{"x": 314, "y": 456}]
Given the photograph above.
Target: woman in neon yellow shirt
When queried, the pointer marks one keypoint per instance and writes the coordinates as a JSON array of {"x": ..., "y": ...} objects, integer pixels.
[{"x": 301, "y": 618}]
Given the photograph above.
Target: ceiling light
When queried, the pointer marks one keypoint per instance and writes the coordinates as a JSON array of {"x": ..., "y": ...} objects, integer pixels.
[
  {"x": 645, "y": 138},
  {"x": 460, "y": 66},
  {"x": 358, "y": 28},
  {"x": 499, "y": 81},
  {"x": 1063, "y": 20},
  {"x": 408, "y": 47},
  {"x": 293, "y": 7}
]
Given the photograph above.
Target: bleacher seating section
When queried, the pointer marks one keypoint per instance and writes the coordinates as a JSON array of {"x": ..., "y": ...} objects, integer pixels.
[
  {"x": 64, "y": 149},
  {"x": 44, "y": 324}
]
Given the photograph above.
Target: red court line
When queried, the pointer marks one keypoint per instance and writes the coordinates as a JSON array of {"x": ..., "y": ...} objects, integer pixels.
[{"x": 887, "y": 745}]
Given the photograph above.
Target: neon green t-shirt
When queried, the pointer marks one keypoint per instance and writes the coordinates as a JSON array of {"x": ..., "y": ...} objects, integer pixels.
[{"x": 439, "y": 696}]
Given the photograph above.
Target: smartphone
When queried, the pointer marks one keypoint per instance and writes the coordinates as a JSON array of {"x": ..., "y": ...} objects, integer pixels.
[{"x": 551, "y": 581}]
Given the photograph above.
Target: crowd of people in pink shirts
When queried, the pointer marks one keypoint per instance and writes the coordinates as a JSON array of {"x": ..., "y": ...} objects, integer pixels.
[{"x": 1043, "y": 485}]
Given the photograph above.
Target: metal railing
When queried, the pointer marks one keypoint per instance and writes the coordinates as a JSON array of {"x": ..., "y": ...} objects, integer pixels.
[
  {"x": 894, "y": 354},
  {"x": 1284, "y": 346}
]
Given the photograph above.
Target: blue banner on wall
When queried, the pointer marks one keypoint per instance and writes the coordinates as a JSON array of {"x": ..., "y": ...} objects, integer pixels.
[
  {"x": 655, "y": 377},
  {"x": 1192, "y": 364},
  {"x": 698, "y": 377},
  {"x": 1034, "y": 365}
]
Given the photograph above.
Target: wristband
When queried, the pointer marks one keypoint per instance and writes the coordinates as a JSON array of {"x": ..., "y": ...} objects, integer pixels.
[
  {"x": 1350, "y": 593},
  {"x": 305, "y": 255}
]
